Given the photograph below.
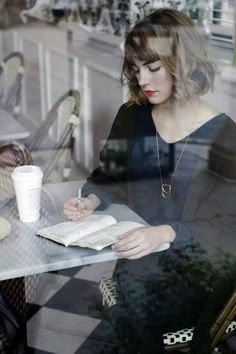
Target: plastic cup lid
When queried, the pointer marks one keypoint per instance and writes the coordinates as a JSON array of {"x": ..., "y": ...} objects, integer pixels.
[{"x": 27, "y": 173}]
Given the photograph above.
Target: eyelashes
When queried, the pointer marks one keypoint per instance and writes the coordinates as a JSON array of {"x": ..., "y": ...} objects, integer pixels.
[
  {"x": 152, "y": 70},
  {"x": 155, "y": 69}
]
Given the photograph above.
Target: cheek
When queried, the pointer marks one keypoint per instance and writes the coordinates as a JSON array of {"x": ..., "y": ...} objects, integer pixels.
[
  {"x": 169, "y": 81},
  {"x": 164, "y": 80}
]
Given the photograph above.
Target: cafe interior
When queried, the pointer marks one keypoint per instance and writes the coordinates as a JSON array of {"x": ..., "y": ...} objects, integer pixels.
[{"x": 60, "y": 91}]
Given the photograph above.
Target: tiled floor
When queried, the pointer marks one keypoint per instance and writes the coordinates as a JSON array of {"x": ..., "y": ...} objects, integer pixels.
[{"x": 68, "y": 305}]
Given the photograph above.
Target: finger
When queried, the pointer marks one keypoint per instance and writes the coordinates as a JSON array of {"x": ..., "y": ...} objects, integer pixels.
[
  {"x": 132, "y": 252},
  {"x": 81, "y": 214},
  {"x": 72, "y": 201},
  {"x": 87, "y": 212},
  {"x": 78, "y": 216},
  {"x": 70, "y": 214},
  {"x": 127, "y": 246},
  {"x": 131, "y": 232},
  {"x": 129, "y": 237},
  {"x": 83, "y": 204},
  {"x": 71, "y": 204},
  {"x": 70, "y": 209}
]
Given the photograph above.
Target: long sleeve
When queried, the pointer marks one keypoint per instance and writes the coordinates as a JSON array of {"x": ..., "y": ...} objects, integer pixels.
[
  {"x": 210, "y": 211},
  {"x": 209, "y": 221},
  {"x": 109, "y": 183}
]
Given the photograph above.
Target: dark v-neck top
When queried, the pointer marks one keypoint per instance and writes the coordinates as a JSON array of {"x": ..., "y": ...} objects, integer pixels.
[
  {"x": 146, "y": 196},
  {"x": 139, "y": 184}
]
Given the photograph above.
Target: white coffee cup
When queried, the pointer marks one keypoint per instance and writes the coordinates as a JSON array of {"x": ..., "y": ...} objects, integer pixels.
[{"x": 27, "y": 183}]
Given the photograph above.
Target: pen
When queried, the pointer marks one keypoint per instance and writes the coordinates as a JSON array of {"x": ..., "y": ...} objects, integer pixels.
[
  {"x": 79, "y": 195},
  {"x": 79, "y": 198}
]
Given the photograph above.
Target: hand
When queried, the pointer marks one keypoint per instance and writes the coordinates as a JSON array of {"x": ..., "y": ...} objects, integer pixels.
[
  {"x": 142, "y": 241},
  {"x": 75, "y": 208}
]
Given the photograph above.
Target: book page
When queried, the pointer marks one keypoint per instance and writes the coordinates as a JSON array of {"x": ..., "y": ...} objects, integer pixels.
[
  {"x": 107, "y": 236},
  {"x": 70, "y": 231}
]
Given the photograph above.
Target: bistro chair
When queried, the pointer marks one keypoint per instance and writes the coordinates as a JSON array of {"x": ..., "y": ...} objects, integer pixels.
[
  {"x": 12, "y": 154},
  {"x": 40, "y": 9},
  {"x": 65, "y": 114},
  {"x": 11, "y": 75},
  {"x": 223, "y": 327}
]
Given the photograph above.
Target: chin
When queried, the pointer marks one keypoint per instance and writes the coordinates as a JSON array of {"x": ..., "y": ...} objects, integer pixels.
[
  {"x": 158, "y": 99},
  {"x": 154, "y": 100}
]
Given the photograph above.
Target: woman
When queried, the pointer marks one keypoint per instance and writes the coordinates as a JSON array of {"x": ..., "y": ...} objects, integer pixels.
[{"x": 167, "y": 70}]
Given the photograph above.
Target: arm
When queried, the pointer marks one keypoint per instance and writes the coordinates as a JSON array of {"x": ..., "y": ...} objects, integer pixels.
[
  {"x": 209, "y": 216},
  {"x": 142, "y": 241},
  {"x": 103, "y": 186},
  {"x": 108, "y": 185},
  {"x": 213, "y": 228}
]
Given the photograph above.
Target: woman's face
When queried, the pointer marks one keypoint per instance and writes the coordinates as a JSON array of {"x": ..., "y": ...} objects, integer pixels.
[{"x": 155, "y": 81}]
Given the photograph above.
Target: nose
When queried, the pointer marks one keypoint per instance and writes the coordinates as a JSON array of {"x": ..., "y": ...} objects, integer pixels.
[{"x": 143, "y": 77}]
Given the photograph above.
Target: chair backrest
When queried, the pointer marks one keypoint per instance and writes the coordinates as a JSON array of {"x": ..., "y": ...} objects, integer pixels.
[
  {"x": 40, "y": 9},
  {"x": 218, "y": 331},
  {"x": 67, "y": 105},
  {"x": 66, "y": 112},
  {"x": 11, "y": 73},
  {"x": 12, "y": 154}
]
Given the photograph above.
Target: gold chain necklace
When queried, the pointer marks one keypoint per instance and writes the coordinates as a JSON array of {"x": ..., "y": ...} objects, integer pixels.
[{"x": 166, "y": 187}]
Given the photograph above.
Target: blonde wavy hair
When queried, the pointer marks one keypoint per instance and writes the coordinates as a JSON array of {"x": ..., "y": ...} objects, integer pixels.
[{"x": 169, "y": 36}]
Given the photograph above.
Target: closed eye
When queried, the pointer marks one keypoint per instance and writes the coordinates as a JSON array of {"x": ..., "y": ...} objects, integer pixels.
[{"x": 154, "y": 69}]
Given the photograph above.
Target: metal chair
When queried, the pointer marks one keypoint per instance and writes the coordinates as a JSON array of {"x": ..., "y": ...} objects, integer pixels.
[
  {"x": 41, "y": 9},
  {"x": 65, "y": 113},
  {"x": 223, "y": 327},
  {"x": 11, "y": 75}
]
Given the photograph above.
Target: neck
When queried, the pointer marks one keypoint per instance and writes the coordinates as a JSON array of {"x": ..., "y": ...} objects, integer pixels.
[
  {"x": 174, "y": 108},
  {"x": 174, "y": 121}
]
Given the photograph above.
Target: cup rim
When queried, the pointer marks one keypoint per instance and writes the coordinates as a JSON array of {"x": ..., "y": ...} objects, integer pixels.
[{"x": 26, "y": 173}]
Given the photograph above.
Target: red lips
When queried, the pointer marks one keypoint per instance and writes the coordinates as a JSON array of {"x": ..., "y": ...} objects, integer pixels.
[{"x": 149, "y": 92}]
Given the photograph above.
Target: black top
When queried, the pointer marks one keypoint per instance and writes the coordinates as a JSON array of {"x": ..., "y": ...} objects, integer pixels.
[
  {"x": 129, "y": 174},
  {"x": 166, "y": 291},
  {"x": 146, "y": 197}
]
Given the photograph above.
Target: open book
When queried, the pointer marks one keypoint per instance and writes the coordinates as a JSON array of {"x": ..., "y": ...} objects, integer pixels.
[{"x": 94, "y": 231}]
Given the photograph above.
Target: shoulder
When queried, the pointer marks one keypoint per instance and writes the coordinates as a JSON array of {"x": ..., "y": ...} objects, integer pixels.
[
  {"x": 220, "y": 130},
  {"x": 226, "y": 131},
  {"x": 211, "y": 119},
  {"x": 131, "y": 108},
  {"x": 211, "y": 114},
  {"x": 128, "y": 113},
  {"x": 207, "y": 112},
  {"x": 211, "y": 124},
  {"x": 125, "y": 119}
]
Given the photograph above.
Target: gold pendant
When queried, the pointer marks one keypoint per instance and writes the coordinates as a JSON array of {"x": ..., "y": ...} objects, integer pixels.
[{"x": 166, "y": 190}]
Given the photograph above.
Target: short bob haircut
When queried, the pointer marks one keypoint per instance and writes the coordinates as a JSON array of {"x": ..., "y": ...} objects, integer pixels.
[{"x": 169, "y": 36}]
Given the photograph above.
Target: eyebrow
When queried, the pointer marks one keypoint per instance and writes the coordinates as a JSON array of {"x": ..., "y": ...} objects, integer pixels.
[{"x": 147, "y": 62}]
